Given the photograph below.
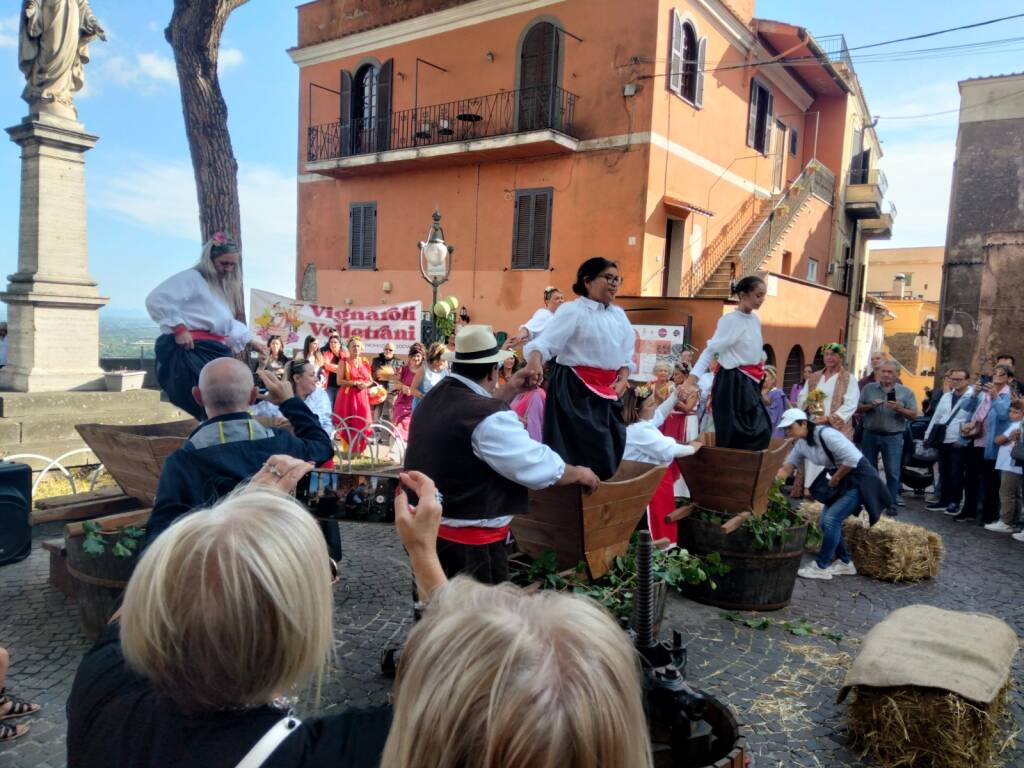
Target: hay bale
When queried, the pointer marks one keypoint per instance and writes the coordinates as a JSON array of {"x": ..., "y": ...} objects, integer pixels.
[
  {"x": 893, "y": 551},
  {"x": 810, "y": 512},
  {"x": 926, "y": 727}
]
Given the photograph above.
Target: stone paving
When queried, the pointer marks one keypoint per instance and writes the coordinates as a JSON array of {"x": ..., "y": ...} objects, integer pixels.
[{"x": 782, "y": 687}]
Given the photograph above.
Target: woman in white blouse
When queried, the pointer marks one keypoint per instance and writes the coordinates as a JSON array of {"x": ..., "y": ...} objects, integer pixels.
[
  {"x": 740, "y": 417},
  {"x": 199, "y": 313},
  {"x": 590, "y": 344},
  {"x": 553, "y": 299}
]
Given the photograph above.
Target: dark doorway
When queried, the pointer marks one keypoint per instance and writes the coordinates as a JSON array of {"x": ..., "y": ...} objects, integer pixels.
[
  {"x": 794, "y": 368},
  {"x": 538, "y": 78}
]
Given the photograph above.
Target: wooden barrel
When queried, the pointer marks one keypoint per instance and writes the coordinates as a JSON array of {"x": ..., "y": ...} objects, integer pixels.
[
  {"x": 729, "y": 749},
  {"x": 758, "y": 579},
  {"x": 99, "y": 579}
]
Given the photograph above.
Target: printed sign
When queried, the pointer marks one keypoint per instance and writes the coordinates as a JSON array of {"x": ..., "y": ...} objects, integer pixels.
[
  {"x": 293, "y": 320},
  {"x": 654, "y": 344}
]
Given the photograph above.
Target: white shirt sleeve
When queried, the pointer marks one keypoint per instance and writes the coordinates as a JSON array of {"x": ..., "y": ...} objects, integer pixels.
[
  {"x": 628, "y": 348},
  {"x": 801, "y": 401},
  {"x": 850, "y": 401},
  {"x": 843, "y": 451},
  {"x": 556, "y": 334},
  {"x": 796, "y": 454},
  {"x": 239, "y": 336},
  {"x": 664, "y": 410},
  {"x": 727, "y": 333},
  {"x": 502, "y": 442},
  {"x": 165, "y": 302}
]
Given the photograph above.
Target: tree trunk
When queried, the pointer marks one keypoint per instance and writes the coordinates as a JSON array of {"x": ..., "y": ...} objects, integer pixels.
[{"x": 194, "y": 34}]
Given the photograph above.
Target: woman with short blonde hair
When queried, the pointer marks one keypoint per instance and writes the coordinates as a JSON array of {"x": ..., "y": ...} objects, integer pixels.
[
  {"x": 227, "y": 612},
  {"x": 494, "y": 677}
]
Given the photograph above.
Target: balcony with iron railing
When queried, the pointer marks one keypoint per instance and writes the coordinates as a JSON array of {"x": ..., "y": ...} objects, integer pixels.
[
  {"x": 881, "y": 227},
  {"x": 865, "y": 190},
  {"x": 834, "y": 46},
  {"x": 538, "y": 120}
]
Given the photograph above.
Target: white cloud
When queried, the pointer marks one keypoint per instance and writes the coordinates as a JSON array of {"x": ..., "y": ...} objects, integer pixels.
[
  {"x": 229, "y": 58},
  {"x": 161, "y": 196},
  {"x": 148, "y": 71},
  {"x": 8, "y": 32},
  {"x": 156, "y": 67}
]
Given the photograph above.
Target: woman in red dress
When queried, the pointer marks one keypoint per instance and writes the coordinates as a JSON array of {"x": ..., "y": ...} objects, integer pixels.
[{"x": 352, "y": 404}]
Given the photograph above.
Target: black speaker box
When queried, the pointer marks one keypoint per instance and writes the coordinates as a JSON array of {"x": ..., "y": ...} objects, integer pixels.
[{"x": 15, "y": 512}]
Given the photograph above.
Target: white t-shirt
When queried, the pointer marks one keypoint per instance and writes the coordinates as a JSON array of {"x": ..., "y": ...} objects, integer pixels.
[{"x": 1003, "y": 461}]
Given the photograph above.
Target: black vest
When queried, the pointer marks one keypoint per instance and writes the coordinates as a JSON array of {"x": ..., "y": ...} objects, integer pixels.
[{"x": 440, "y": 446}]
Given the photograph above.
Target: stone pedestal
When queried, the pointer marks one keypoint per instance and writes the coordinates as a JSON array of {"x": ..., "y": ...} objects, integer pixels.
[{"x": 53, "y": 303}]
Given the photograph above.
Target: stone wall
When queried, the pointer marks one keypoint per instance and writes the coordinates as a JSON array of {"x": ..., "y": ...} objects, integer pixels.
[{"x": 987, "y": 197}]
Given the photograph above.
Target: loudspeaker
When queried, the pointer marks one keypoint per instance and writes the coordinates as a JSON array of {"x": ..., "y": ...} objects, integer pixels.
[{"x": 15, "y": 512}]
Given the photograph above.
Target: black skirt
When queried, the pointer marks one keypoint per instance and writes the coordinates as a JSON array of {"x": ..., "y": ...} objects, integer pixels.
[
  {"x": 178, "y": 367},
  {"x": 741, "y": 418},
  {"x": 584, "y": 429}
]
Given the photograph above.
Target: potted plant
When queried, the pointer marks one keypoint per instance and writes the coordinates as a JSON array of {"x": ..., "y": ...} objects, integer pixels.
[
  {"x": 101, "y": 559},
  {"x": 124, "y": 380}
]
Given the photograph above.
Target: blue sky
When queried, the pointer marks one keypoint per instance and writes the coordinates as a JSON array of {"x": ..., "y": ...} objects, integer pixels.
[{"x": 141, "y": 195}]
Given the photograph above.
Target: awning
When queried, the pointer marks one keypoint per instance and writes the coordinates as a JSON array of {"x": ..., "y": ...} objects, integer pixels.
[{"x": 683, "y": 208}]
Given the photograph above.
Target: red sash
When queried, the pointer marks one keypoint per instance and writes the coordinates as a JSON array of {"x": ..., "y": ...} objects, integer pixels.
[
  {"x": 755, "y": 372},
  {"x": 206, "y": 336},
  {"x": 598, "y": 380},
  {"x": 472, "y": 535}
]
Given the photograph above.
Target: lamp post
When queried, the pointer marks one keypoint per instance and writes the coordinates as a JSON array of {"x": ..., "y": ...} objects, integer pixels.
[{"x": 435, "y": 265}]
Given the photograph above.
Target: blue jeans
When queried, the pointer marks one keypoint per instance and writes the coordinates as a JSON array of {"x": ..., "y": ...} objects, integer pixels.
[
  {"x": 891, "y": 448},
  {"x": 831, "y": 522}
]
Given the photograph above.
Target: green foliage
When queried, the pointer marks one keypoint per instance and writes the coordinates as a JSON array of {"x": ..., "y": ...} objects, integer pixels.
[
  {"x": 799, "y": 628},
  {"x": 124, "y": 541},
  {"x": 769, "y": 529},
  {"x": 615, "y": 589}
]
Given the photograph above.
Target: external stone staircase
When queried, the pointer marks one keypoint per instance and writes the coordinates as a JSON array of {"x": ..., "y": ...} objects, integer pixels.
[
  {"x": 44, "y": 423},
  {"x": 719, "y": 285}
]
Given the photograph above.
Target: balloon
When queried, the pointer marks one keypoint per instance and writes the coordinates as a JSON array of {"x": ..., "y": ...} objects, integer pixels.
[
  {"x": 453, "y": 303},
  {"x": 442, "y": 310}
]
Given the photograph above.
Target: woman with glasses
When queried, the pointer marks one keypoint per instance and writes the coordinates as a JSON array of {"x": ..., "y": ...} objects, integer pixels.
[
  {"x": 590, "y": 343},
  {"x": 740, "y": 417}
]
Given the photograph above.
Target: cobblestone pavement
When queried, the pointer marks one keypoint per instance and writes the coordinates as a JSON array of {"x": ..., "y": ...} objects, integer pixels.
[{"x": 782, "y": 687}]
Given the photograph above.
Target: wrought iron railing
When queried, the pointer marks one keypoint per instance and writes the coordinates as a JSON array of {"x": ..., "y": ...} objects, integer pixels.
[
  {"x": 714, "y": 254},
  {"x": 869, "y": 176},
  {"x": 834, "y": 46},
  {"x": 759, "y": 247},
  {"x": 497, "y": 114}
]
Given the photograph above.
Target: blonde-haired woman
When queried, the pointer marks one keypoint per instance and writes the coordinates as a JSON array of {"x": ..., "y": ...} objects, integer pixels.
[
  {"x": 201, "y": 317},
  {"x": 543, "y": 680},
  {"x": 227, "y": 611}
]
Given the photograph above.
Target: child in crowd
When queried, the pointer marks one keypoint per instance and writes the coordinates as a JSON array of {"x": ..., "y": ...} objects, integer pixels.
[
  {"x": 645, "y": 443},
  {"x": 1009, "y": 474}
]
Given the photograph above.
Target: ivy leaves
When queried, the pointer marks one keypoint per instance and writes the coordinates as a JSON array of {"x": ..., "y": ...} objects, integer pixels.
[{"x": 125, "y": 539}]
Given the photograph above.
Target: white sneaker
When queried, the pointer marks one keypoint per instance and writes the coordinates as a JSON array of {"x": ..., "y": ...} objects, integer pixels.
[
  {"x": 814, "y": 571},
  {"x": 1019, "y": 536},
  {"x": 839, "y": 568},
  {"x": 999, "y": 527}
]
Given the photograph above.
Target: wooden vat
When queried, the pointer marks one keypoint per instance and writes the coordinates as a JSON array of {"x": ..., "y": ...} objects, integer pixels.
[
  {"x": 134, "y": 455},
  {"x": 595, "y": 528},
  {"x": 730, "y": 480}
]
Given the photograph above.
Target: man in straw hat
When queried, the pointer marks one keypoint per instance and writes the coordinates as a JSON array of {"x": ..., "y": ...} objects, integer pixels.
[{"x": 464, "y": 435}]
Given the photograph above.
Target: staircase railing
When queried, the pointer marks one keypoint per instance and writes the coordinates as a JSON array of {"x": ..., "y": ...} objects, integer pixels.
[
  {"x": 714, "y": 254},
  {"x": 815, "y": 179}
]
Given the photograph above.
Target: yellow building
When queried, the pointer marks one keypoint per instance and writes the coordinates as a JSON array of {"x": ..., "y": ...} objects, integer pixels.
[
  {"x": 910, "y": 339},
  {"x": 921, "y": 269}
]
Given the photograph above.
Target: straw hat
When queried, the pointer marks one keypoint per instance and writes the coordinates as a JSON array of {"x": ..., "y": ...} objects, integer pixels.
[{"x": 477, "y": 344}]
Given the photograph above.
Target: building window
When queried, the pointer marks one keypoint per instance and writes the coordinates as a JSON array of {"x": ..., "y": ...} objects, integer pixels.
[
  {"x": 812, "y": 270},
  {"x": 908, "y": 279},
  {"x": 531, "y": 238},
  {"x": 362, "y": 236},
  {"x": 686, "y": 62},
  {"x": 794, "y": 141},
  {"x": 365, "y": 105},
  {"x": 539, "y": 65},
  {"x": 759, "y": 119}
]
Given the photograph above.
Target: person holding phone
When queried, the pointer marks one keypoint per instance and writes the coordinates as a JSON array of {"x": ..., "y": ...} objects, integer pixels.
[
  {"x": 887, "y": 407},
  {"x": 991, "y": 418}
]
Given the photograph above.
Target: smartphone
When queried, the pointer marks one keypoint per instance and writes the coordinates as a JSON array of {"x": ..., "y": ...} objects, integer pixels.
[
  {"x": 891, "y": 396},
  {"x": 258, "y": 383},
  {"x": 985, "y": 379},
  {"x": 340, "y": 495},
  {"x": 318, "y": 485}
]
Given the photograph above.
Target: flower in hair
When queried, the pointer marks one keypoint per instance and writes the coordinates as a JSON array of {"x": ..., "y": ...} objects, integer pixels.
[
  {"x": 219, "y": 238},
  {"x": 642, "y": 392}
]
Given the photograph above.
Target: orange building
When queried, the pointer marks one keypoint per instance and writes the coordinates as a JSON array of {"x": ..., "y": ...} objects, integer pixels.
[{"x": 690, "y": 142}]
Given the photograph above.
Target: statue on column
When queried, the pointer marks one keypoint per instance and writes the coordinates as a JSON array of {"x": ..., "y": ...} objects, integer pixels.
[{"x": 53, "y": 47}]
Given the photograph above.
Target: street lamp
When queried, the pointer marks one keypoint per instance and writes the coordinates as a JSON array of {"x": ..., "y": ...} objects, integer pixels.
[
  {"x": 435, "y": 264},
  {"x": 953, "y": 329}
]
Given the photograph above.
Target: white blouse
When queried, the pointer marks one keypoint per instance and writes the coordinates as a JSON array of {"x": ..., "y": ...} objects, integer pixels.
[
  {"x": 828, "y": 385},
  {"x": 737, "y": 341},
  {"x": 586, "y": 332},
  {"x": 646, "y": 443},
  {"x": 538, "y": 322},
  {"x": 186, "y": 299}
]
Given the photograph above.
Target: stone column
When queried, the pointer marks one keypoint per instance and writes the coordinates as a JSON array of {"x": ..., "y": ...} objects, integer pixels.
[{"x": 53, "y": 303}]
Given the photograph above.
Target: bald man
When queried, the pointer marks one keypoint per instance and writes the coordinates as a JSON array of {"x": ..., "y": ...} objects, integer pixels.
[{"x": 230, "y": 446}]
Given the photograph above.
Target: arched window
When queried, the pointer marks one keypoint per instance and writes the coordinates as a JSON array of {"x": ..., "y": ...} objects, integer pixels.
[
  {"x": 686, "y": 61},
  {"x": 366, "y": 109},
  {"x": 794, "y": 368},
  {"x": 538, "y": 77},
  {"x": 364, "y": 106},
  {"x": 819, "y": 360},
  {"x": 769, "y": 355}
]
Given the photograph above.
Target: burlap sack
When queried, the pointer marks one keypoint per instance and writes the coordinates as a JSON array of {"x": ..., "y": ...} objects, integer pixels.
[{"x": 966, "y": 653}]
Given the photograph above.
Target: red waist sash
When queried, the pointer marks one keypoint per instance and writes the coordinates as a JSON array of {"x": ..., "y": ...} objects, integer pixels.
[
  {"x": 756, "y": 372},
  {"x": 472, "y": 535},
  {"x": 199, "y": 335},
  {"x": 598, "y": 380}
]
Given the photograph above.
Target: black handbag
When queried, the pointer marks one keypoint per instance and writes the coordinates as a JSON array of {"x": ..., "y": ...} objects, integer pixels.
[
  {"x": 937, "y": 437},
  {"x": 820, "y": 490}
]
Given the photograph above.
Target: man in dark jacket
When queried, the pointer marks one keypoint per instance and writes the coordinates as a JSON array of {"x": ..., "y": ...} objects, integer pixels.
[{"x": 230, "y": 446}]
